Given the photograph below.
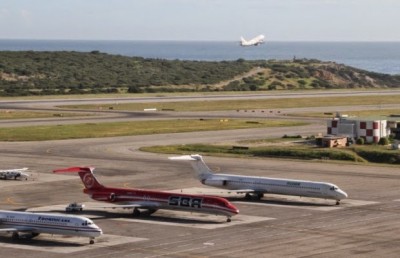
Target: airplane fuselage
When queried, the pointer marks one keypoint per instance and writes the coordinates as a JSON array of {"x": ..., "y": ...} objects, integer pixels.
[
  {"x": 276, "y": 186},
  {"x": 48, "y": 223},
  {"x": 164, "y": 200}
]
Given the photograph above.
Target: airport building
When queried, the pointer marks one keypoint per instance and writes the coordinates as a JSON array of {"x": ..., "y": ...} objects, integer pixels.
[{"x": 371, "y": 130}]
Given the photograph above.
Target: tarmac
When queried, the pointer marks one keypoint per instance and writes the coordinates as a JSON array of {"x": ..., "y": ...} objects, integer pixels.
[{"x": 367, "y": 224}]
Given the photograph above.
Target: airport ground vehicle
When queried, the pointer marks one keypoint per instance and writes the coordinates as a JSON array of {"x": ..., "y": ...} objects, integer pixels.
[{"x": 74, "y": 207}]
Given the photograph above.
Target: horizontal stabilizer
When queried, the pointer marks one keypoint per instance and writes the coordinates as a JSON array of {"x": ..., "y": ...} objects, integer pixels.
[
  {"x": 192, "y": 157},
  {"x": 74, "y": 170}
]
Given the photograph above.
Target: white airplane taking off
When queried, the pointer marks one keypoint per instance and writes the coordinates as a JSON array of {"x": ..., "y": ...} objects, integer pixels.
[
  {"x": 252, "y": 42},
  {"x": 32, "y": 224},
  {"x": 17, "y": 173},
  {"x": 258, "y": 186}
]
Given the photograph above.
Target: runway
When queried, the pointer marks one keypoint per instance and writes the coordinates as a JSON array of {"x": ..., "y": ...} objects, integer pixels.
[{"x": 365, "y": 225}]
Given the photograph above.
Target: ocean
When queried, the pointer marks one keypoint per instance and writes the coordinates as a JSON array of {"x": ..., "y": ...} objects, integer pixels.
[{"x": 382, "y": 57}]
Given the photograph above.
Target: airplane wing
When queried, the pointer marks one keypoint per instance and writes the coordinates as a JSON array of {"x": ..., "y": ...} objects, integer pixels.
[
  {"x": 127, "y": 205},
  {"x": 19, "y": 229},
  {"x": 13, "y": 170}
]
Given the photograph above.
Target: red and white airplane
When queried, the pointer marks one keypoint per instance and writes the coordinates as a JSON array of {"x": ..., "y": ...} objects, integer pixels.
[{"x": 152, "y": 201}]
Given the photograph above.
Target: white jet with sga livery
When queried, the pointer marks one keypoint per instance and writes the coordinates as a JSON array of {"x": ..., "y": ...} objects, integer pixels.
[
  {"x": 258, "y": 186},
  {"x": 32, "y": 224}
]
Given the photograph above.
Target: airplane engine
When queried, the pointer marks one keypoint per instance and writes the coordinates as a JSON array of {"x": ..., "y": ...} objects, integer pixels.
[
  {"x": 214, "y": 182},
  {"x": 112, "y": 197}
]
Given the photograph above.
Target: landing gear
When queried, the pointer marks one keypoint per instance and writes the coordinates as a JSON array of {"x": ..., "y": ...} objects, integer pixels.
[
  {"x": 151, "y": 211},
  {"x": 91, "y": 241},
  {"x": 34, "y": 235},
  {"x": 136, "y": 212},
  {"x": 15, "y": 236},
  {"x": 228, "y": 219},
  {"x": 253, "y": 196},
  {"x": 337, "y": 202}
]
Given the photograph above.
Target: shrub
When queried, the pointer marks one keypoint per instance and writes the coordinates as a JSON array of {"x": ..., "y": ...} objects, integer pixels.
[
  {"x": 360, "y": 141},
  {"x": 383, "y": 141}
]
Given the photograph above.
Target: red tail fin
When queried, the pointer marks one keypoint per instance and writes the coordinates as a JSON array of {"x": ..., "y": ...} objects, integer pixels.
[{"x": 86, "y": 174}]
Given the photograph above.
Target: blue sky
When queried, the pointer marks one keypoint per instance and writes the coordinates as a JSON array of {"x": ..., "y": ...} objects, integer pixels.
[{"x": 279, "y": 20}]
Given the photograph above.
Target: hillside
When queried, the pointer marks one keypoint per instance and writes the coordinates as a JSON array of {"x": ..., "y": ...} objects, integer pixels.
[{"x": 45, "y": 73}]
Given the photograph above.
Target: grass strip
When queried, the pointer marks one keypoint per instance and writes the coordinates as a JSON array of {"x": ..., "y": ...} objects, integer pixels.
[
  {"x": 97, "y": 130},
  {"x": 218, "y": 105}
]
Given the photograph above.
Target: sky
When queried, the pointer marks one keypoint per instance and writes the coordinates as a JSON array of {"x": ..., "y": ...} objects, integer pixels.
[{"x": 193, "y": 20}]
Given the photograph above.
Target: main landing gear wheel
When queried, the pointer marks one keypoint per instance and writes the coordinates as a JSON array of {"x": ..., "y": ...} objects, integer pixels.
[
  {"x": 151, "y": 211},
  {"x": 259, "y": 196},
  {"x": 136, "y": 212},
  {"x": 337, "y": 202},
  {"x": 15, "y": 236},
  {"x": 34, "y": 235},
  {"x": 254, "y": 196}
]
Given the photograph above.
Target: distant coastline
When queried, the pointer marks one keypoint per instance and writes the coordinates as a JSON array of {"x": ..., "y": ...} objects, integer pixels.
[{"x": 382, "y": 57}]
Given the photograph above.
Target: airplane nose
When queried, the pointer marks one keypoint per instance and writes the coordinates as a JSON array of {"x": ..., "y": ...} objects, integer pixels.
[
  {"x": 342, "y": 194},
  {"x": 234, "y": 210}
]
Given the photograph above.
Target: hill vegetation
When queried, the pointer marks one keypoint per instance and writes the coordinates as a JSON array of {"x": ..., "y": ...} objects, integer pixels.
[{"x": 45, "y": 73}]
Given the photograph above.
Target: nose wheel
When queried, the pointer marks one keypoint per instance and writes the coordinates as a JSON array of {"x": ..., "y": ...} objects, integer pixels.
[
  {"x": 91, "y": 241},
  {"x": 228, "y": 219}
]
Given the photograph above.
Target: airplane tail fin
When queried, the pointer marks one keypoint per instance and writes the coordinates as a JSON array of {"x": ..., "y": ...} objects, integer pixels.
[
  {"x": 86, "y": 174},
  {"x": 198, "y": 164}
]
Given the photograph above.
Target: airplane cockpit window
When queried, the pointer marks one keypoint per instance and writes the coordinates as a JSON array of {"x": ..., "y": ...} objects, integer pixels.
[{"x": 333, "y": 188}]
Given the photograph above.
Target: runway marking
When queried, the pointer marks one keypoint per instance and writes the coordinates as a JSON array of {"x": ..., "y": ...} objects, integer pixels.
[
  {"x": 196, "y": 221},
  {"x": 10, "y": 201},
  {"x": 67, "y": 244}
]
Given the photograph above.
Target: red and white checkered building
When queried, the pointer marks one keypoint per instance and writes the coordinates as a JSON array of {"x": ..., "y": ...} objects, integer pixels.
[{"x": 371, "y": 130}]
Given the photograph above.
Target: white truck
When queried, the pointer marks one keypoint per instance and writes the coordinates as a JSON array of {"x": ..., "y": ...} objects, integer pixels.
[{"x": 74, "y": 207}]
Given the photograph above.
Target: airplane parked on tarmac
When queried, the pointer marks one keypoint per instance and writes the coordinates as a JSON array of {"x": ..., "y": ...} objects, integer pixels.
[
  {"x": 17, "y": 173},
  {"x": 252, "y": 42},
  {"x": 151, "y": 201},
  {"x": 258, "y": 186},
  {"x": 33, "y": 224}
]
